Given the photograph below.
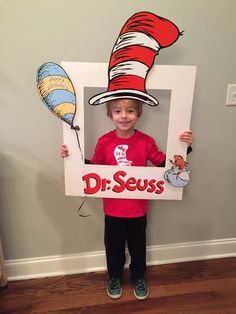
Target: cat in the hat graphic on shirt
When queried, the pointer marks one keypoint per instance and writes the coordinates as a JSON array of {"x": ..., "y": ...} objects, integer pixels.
[{"x": 120, "y": 155}]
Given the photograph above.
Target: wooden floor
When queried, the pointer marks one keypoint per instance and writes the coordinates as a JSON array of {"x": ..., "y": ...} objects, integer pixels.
[{"x": 194, "y": 287}]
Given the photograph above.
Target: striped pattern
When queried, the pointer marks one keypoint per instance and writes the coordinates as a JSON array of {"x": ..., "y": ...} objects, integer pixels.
[
  {"x": 133, "y": 55},
  {"x": 51, "y": 83},
  {"x": 57, "y": 91},
  {"x": 138, "y": 39},
  {"x": 139, "y": 42},
  {"x": 129, "y": 68}
]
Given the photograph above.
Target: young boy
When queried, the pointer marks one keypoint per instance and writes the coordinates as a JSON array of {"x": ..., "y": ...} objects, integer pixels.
[{"x": 125, "y": 219}]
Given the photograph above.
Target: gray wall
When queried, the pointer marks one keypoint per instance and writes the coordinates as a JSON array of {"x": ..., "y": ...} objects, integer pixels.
[{"x": 36, "y": 219}]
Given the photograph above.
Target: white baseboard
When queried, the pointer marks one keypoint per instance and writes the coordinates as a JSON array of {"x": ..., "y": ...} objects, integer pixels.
[{"x": 95, "y": 261}]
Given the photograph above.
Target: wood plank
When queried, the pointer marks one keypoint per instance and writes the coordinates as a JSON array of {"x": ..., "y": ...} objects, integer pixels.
[{"x": 194, "y": 287}]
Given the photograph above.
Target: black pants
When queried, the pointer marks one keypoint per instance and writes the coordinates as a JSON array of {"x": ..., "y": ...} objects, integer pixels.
[{"x": 118, "y": 232}]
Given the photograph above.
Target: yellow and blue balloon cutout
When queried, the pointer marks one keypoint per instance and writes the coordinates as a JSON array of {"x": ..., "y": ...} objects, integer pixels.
[{"x": 57, "y": 92}]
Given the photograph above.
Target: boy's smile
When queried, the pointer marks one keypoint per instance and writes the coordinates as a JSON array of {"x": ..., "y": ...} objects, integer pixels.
[{"x": 124, "y": 115}]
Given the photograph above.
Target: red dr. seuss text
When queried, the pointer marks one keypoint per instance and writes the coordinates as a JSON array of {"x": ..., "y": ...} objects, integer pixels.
[{"x": 94, "y": 183}]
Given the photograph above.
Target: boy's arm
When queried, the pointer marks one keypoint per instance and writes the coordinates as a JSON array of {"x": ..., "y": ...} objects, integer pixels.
[
  {"x": 64, "y": 152},
  {"x": 88, "y": 162},
  {"x": 189, "y": 150}
]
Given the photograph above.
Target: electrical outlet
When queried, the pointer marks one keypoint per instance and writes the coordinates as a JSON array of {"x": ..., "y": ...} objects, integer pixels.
[{"x": 231, "y": 95}]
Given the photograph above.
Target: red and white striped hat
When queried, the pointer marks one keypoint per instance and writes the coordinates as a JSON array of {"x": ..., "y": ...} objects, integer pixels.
[{"x": 133, "y": 55}]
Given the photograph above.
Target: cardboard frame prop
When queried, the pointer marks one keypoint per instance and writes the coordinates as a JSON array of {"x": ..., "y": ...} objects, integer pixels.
[{"x": 125, "y": 182}]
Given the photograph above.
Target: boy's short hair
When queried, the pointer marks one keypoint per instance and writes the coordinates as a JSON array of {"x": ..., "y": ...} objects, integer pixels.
[{"x": 138, "y": 103}]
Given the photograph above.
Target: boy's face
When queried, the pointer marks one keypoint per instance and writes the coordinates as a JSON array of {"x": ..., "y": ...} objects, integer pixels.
[{"x": 124, "y": 114}]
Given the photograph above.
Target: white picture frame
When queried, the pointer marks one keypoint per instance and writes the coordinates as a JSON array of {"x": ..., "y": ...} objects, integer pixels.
[{"x": 114, "y": 181}]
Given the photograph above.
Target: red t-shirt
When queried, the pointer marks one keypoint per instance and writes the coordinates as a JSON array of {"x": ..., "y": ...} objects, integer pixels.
[{"x": 133, "y": 151}]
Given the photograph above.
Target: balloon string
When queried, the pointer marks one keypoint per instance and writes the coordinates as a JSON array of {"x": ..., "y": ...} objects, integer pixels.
[
  {"x": 82, "y": 204},
  {"x": 77, "y": 137},
  {"x": 82, "y": 215}
]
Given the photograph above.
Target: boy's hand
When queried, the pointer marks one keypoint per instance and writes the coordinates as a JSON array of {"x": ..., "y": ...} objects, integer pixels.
[
  {"x": 64, "y": 151},
  {"x": 187, "y": 137}
]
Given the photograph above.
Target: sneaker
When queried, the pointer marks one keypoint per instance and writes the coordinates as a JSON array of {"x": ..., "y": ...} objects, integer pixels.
[
  {"x": 140, "y": 289},
  {"x": 114, "y": 289}
]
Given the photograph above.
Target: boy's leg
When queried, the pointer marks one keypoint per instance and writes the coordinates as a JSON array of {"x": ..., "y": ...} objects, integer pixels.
[
  {"x": 136, "y": 240},
  {"x": 115, "y": 238},
  {"x": 137, "y": 248}
]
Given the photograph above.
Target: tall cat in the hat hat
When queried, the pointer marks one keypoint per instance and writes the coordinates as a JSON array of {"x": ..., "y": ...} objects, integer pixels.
[{"x": 133, "y": 55}]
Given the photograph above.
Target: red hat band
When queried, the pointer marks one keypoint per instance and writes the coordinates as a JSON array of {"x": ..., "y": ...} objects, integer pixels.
[{"x": 133, "y": 55}]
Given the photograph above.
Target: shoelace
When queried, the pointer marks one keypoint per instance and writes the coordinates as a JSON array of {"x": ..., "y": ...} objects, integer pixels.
[
  {"x": 140, "y": 284},
  {"x": 115, "y": 283}
]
